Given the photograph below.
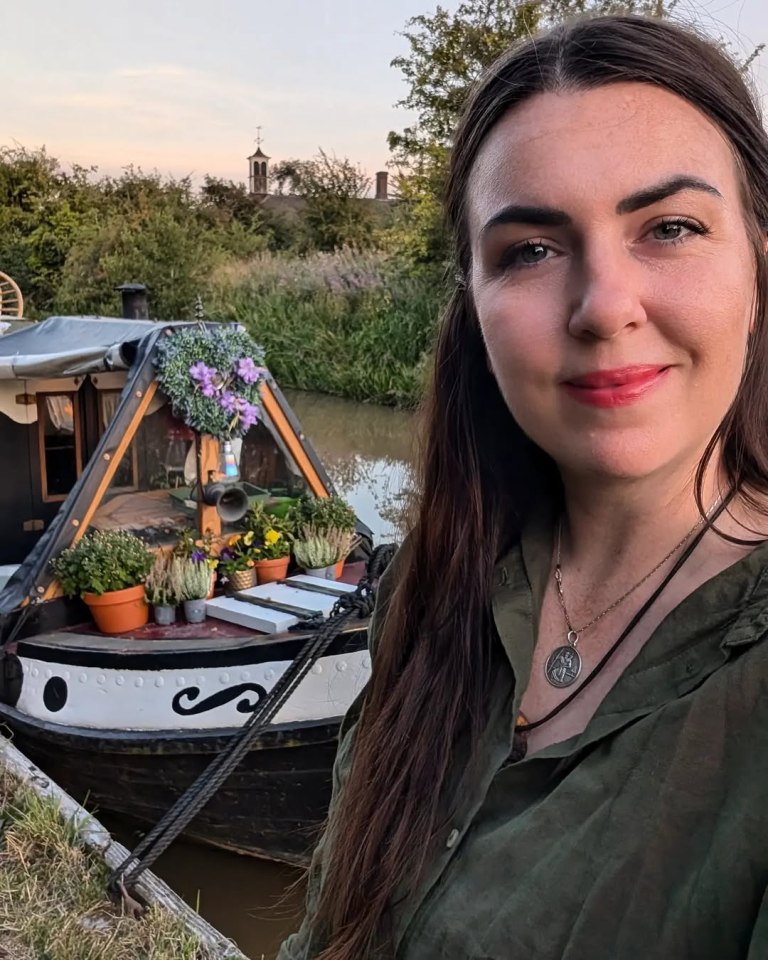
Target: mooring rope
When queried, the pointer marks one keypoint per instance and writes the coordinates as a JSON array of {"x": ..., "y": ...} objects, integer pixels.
[{"x": 354, "y": 605}]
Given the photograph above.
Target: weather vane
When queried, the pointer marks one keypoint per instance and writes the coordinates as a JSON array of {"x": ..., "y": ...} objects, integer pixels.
[{"x": 258, "y": 136}]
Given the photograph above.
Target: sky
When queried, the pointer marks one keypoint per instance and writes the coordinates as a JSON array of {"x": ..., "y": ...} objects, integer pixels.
[{"x": 182, "y": 87}]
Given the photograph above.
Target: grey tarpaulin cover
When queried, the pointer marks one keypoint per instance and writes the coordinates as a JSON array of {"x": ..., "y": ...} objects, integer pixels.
[{"x": 69, "y": 347}]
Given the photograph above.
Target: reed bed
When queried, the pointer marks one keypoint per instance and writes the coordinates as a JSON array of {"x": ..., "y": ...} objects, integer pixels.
[{"x": 353, "y": 324}]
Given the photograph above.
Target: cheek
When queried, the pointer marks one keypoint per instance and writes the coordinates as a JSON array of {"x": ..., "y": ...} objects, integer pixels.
[{"x": 524, "y": 336}]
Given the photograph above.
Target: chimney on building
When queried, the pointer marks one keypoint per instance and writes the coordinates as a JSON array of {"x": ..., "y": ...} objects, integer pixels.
[{"x": 382, "y": 185}]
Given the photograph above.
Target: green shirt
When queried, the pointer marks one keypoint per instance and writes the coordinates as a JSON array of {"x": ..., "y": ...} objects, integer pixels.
[{"x": 643, "y": 838}]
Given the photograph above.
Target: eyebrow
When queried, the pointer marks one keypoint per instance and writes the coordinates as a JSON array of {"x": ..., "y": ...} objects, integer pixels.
[{"x": 646, "y": 197}]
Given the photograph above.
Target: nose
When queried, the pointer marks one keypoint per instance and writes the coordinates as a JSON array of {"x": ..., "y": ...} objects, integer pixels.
[{"x": 607, "y": 297}]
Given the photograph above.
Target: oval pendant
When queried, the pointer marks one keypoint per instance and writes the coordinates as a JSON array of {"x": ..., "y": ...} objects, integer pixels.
[{"x": 563, "y": 666}]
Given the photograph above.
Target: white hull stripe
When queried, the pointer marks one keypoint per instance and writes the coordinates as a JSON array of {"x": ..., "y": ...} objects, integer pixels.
[{"x": 207, "y": 698}]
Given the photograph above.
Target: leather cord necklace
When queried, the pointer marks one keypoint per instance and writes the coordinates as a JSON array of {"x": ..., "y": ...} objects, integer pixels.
[{"x": 525, "y": 728}]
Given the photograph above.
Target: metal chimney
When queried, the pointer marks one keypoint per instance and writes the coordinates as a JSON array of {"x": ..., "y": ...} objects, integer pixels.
[{"x": 134, "y": 297}]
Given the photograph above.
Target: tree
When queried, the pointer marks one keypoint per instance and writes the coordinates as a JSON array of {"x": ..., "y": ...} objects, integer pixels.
[
  {"x": 447, "y": 53},
  {"x": 333, "y": 190}
]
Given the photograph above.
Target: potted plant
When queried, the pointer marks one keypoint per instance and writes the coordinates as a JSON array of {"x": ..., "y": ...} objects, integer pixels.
[
  {"x": 163, "y": 589},
  {"x": 315, "y": 553},
  {"x": 237, "y": 560},
  {"x": 272, "y": 543},
  {"x": 194, "y": 579},
  {"x": 328, "y": 515},
  {"x": 202, "y": 549},
  {"x": 108, "y": 569}
]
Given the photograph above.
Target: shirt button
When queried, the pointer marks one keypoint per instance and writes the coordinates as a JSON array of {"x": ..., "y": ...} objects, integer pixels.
[{"x": 453, "y": 836}]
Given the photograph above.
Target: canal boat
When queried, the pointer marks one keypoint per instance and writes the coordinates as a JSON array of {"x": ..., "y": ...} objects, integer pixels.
[{"x": 127, "y": 722}]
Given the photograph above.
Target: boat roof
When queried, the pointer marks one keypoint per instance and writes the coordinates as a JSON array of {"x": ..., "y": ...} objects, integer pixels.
[{"x": 71, "y": 346}]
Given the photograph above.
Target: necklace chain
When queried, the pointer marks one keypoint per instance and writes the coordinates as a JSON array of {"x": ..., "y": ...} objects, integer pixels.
[{"x": 573, "y": 632}]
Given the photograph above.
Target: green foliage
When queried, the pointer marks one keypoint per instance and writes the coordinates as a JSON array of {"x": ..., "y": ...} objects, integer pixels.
[
  {"x": 356, "y": 325},
  {"x": 332, "y": 190},
  {"x": 324, "y": 514},
  {"x": 103, "y": 561},
  {"x": 211, "y": 378},
  {"x": 447, "y": 52},
  {"x": 69, "y": 238}
]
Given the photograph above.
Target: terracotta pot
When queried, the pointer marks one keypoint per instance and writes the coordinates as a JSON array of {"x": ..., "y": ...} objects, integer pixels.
[
  {"x": 120, "y": 610},
  {"x": 243, "y": 579},
  {"x": 268, "y": 571}
]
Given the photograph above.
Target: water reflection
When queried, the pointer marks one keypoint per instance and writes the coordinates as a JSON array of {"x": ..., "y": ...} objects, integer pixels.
[
  {"x": 254, "y": 902},
  {"x": 368, "y": 452}
]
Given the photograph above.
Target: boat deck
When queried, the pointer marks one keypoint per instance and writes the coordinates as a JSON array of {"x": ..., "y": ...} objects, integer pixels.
[{"x": 178, "y": 638}]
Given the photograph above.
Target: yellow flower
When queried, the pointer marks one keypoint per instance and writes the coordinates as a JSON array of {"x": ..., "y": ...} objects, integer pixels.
[
  {"x": 251, "y": 563},
  {"x": 271, "y": 536},
  {"x": 248, "y": 538},
  {"x": 233, "y": 539}
]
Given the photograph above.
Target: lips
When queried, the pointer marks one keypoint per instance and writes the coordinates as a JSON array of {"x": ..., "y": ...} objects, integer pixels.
[{"x": 614, "y": 388}]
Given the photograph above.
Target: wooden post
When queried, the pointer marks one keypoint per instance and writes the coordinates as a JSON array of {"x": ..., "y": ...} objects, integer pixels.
[{"x": 208, "y": 519}]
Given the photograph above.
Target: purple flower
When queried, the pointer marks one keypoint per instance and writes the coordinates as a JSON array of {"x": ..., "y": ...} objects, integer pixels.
[
  {"x": 201, "y": 371},
  {"x": 228, "y": 401},
  {"x": 198, "y": 556},
  {"x": 247, "y": 370},
  {"x": 249, "y": 414},
  {"x": 226, "y": 554}
]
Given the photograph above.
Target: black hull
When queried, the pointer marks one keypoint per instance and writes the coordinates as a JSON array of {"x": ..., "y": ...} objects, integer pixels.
[{"x": 272, "y": 806}]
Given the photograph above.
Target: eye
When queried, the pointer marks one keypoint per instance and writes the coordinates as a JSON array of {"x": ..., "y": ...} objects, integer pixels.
[
  {"x": 527, "y": 254},
  {"x": 676, "y": 230}
]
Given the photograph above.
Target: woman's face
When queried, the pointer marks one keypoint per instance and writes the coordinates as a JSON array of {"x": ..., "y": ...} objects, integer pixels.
[{"x": 612, "y": 275}]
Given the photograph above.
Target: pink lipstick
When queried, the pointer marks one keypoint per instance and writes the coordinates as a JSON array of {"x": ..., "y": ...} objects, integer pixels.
[{"x": 614, "y": 388}]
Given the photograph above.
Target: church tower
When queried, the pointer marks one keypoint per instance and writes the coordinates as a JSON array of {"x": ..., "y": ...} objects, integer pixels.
[{"x": 258, "y": 170}]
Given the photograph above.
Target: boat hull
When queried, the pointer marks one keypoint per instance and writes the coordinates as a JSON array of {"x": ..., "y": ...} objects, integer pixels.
[{"x": 273, "y": 805}]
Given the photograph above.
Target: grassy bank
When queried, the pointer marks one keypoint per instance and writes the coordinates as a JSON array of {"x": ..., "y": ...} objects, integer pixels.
[
  {"x": 354, "y": 325},
  {"x": 52, "y": 894}
]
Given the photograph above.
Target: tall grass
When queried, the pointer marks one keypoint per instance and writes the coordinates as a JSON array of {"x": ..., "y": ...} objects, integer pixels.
[{"x": 353, "y": 324}]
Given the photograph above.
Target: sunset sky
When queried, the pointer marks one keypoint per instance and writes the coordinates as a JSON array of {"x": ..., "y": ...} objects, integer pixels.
[{"x": 182, "y": 86}]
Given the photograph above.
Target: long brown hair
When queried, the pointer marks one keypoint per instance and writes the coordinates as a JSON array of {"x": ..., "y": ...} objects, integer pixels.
[{"x": 432, "y": 675}]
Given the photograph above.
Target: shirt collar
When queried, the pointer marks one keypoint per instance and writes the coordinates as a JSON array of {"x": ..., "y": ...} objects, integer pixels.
[{"x": 722, "y": 616}]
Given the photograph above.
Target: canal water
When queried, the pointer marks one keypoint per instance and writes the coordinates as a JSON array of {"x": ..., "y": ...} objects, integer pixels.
[{"x": 367, "y": 451}]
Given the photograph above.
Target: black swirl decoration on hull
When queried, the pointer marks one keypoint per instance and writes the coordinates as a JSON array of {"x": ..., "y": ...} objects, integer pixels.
[{"x": 246, "y": 705}]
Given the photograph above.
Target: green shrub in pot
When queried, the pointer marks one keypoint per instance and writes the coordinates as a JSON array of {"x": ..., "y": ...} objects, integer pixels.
[{"x": 103, "y": 562}]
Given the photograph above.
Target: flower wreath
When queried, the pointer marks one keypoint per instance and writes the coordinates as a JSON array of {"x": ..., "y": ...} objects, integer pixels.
[{"x": 211, "y": 378}]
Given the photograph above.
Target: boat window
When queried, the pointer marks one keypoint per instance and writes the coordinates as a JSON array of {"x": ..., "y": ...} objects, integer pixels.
[
  {"x": 164, "y": 499},
  {"x": 60, "y": 443},
  {"x": 127, "y": 476}
]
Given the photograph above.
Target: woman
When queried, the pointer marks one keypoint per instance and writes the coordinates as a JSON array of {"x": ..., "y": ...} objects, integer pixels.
[{"x": 563, "y": 751}]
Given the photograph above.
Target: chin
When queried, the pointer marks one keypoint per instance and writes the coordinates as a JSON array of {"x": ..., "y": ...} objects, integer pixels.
[{"x": 624, "y": 459}]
